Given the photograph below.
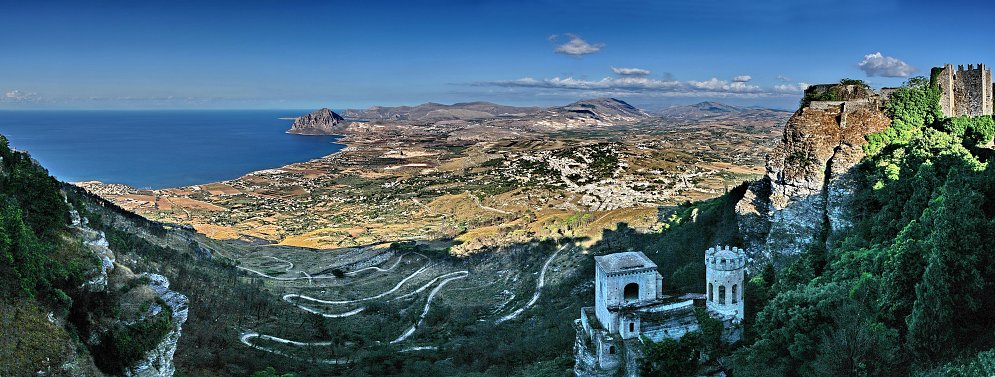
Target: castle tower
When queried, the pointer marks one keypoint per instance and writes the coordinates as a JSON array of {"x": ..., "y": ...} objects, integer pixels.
[
  {"x": 624, "y": 281},
  {"x": 965, "y": 92},
  {"x": 725, "y": 271}
]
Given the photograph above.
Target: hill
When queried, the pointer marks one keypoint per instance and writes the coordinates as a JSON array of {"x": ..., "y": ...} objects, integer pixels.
[
  {"x": 433, "y": 112},
  {"x": 712, "y": 110},
  {"x": 67, "y": 306}
]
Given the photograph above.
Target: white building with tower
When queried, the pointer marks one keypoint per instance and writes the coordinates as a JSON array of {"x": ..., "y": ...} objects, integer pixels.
[{"x": 630, "y": 308}]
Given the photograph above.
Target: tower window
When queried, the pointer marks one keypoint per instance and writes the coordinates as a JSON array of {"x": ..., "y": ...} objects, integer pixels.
[
  {"x": 611, "y": 350},
  {"x": 631, "y": 292},
  {"x": 722, "y": 295},
  {"x": 632, "y": 327},
  {"x": 735, "y": 298},
  {"x": 711, "y": 297}
]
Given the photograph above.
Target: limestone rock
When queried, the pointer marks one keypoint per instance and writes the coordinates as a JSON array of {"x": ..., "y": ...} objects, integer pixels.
[
  {"x": 808, "y": 183},
  {"x": 320, "y": 122},
  {"x": 159, "y": 361}
]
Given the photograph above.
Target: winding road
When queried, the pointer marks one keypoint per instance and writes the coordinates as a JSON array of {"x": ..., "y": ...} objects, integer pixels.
[
  {"x": 288, "y": 296},
  {"x": 428, "y": 304},
  {"x": 250, "y": 335},
  {"x": 535, "y": 298}
]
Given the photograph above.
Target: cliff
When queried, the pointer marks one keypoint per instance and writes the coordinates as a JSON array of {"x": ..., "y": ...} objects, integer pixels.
[
  {"x": 804, "y": 197},
  {"x": 319, "y": 122},
  {"x": 67, "y": 305},
  {"x": 144, "y": 302}
]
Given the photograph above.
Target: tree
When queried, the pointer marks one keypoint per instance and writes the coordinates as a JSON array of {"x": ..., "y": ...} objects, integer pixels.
[
  {"x": 670, "y": 357},
  {"x": 952, "y": 289}
]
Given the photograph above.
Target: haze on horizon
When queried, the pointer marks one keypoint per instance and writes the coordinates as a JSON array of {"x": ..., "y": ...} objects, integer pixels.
[{"x": 310, "y": 54}]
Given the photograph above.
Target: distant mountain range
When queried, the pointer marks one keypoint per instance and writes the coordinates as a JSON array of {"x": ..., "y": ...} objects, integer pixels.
[
  {"x": 434, "y": 112},
  {"x": 589, "y": 112},
  {"x": 710, "y": 109}
]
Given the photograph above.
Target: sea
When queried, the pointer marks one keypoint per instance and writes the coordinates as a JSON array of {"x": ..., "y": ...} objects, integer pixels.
[{"x": 160, "y": 149}]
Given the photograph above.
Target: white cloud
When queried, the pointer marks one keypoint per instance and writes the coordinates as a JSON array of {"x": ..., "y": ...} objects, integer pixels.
[
  {"x": 885, "y": 66},
  {"x": 576, "y": 46},
  {"x": 791, "y": 88},
  {"x": 638, "y": 85},
  {"x": 630, "y": 71},
  {"x": 742, "y": 78},
  {"x": 783, "y": 78},
  {"x": 717, "y": 85},
  {"x": 18, "y": 96}
]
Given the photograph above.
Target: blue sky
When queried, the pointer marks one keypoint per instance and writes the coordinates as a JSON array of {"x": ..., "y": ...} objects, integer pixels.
[{"x": 309, "y": 54}]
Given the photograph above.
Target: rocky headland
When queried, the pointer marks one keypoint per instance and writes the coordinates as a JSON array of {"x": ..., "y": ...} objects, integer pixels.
[{"x": 319, "y": 122}]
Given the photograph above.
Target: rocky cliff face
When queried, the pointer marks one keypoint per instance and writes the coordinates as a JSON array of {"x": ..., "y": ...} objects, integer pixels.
[
  {"x": 159, "y": 360},
  {"x": 805, "y": 194},
  {"x": 320, "y": 122}
]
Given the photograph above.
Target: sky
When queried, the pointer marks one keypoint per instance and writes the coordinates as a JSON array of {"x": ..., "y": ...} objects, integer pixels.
[{"x": 289, "y": 54}]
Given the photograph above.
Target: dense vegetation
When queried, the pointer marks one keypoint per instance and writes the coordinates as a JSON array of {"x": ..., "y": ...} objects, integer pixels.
[
  {"x": 33, "y": 215},
  {"x": 829, "y": 92},
  {"x": 906, "y": 289},
  {"x": 44, "y": 266}
]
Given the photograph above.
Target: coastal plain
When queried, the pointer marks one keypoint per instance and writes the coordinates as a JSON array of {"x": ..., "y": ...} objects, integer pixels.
[{"x": 472, "y": 180}]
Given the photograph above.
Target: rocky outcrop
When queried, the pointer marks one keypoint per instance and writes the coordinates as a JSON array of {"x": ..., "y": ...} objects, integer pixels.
[
  {"x": 97, "y": 242},
  {"x": 159, "y": 360},
  {"x": 804, "y": 196},
  {"x": 585, "y": 360},
  {"x": 320, "y": 122}
]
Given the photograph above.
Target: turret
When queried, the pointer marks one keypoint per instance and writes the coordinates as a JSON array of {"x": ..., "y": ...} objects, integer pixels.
[{"x": 725, "y": 271}]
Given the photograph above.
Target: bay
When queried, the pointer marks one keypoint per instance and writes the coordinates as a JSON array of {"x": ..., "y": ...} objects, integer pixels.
[{"x": 159, "y": 149}]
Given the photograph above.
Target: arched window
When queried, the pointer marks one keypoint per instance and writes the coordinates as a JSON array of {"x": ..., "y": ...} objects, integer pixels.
[
  {"x": 722, "y": 295},
  {"x": 735, "y": 298},
  {"x": 711, "y": 297},
  {"x": 631, "y": 292},
  {"x": 611, "y": 350},
  {"x": 632, "y": 327}
]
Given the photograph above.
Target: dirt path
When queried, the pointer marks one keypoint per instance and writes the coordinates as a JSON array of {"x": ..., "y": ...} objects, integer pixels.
[
  {"x": 486, "y": 208},
  {"x": 535, "y": 298}
]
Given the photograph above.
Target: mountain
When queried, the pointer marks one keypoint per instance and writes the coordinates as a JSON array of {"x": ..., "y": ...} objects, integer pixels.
[
  {"x": 319, "y": 122},
  {"x": 433, "y": 112},
  {"x": 699, "y": 110},
  {"x": 606, "y": 109}
]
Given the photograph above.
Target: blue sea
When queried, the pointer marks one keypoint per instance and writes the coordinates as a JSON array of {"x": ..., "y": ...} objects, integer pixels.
[{"x": 159, "y": 149}]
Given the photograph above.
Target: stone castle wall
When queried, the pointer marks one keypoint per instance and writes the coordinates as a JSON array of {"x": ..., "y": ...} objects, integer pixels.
[{"x": 965, "y": 92}]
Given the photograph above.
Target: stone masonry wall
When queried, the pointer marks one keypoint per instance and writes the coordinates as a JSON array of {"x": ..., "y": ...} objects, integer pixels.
[{"x": 965, "y": 92}]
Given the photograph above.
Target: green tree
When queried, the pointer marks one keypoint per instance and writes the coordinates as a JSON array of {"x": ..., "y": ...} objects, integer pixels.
[
  {"x": 953, "y": 285},
  {"x": 670, "y": 357}
]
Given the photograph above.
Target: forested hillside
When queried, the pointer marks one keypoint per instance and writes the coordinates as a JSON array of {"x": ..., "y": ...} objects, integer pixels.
[
  {"x": 65, "y": 307},
  {"x": 907, "y": 290}
]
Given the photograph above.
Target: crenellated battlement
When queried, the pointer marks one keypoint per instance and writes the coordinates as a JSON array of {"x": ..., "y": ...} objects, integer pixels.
[{"x": 965, "y": 91}]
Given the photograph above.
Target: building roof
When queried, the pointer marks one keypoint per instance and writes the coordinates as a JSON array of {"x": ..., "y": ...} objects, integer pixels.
[{"x": 621, "y": 262}]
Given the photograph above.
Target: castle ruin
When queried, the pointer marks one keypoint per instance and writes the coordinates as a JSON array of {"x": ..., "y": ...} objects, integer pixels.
[
  {"x": 965, "y": 92},
  {"x": 630, "y": 308}
]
